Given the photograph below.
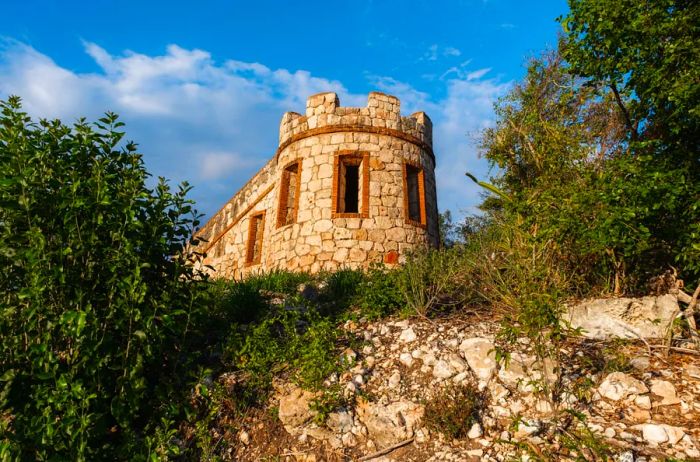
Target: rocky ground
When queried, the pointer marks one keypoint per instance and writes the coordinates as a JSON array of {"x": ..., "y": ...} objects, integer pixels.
[{"x": 633, "y": 400}]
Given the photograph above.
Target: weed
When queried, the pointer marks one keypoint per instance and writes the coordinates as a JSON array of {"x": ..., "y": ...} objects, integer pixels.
[
  {"x": 454, "y": 410},
  {"x": 432, "y": 279},
  {"x": 329, "y": 400}
]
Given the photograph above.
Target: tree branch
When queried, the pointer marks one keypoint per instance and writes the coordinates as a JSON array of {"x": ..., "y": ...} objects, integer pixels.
[{"x": 628, "y": 120}]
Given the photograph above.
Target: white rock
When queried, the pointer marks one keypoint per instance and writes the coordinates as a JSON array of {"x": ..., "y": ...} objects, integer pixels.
[
  {"x": 443, "y": 370},
  {"x": 693, "y": 371},
  {"x": 294, "y": 409},
  {"x": 519, "y": 372},
  {"x": 406, "y": 359},
  {"x": 340, "y": 422},
  {"x": 647, "y": 317},
  {"x": 429, "y": 359},
  {"x": 388, "y": 424},
  {"x": 526, "y": 428},
  {"x": 666, "y": 391},
  {"x": 422, "y": 435},
  {"x": 475, "y": 431},
  {"x": 675, "y": 434},
  {"x": 457, "y": 362},
  {"x": 609, "y": 432},
  {"x": 349, "y": 440},
  {"x": 244, "y": 437},
  {"x": 653, "y": 433},
  {"x": 498, "y": 391},
  {"x": 627, "y": 456},
  {"x": 351, "y": 388},
  {"x": 408, "y": 335},
  {"x": 349, "y": 355},
  {"x": 643, "y": 402},
  {"x": 543, "y": 406},
  {"x": 395, "y": 380},
  {"x": 480, "y": 356},
  {"x": 619, "y": 385}
]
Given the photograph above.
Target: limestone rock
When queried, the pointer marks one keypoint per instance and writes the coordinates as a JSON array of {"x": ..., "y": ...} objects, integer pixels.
[
  {"x": 647, "y": 317},
  {"x": 340, "y": 422},
  {"x": 408, "y": 335},
  {"x": 526, "y": 428},
  {"x": 443, "y": 370},
  {"x": 480, "y": 356},
  {"x": 406, "y": 359},
  {"x": 475, "y": 431},
  {"x": 392, "y": 423},
  {"x": 619, "y": 385},
  {"x": 666, "y": 391},
  {"x": 519, "y": 372},
  {"x": 294, "y": 408},
  {"x": 661, "y": 433}
]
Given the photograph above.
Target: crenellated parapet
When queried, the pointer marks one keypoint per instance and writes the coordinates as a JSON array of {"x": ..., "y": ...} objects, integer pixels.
[{"x": 382, "y": 115}]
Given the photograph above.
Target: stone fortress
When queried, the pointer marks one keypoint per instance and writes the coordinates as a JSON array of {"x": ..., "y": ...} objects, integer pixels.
[{"x": 346, "y": 187}]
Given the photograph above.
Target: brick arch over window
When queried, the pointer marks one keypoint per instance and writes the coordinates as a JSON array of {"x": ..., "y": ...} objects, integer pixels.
[{"x": 350, "y": 195}]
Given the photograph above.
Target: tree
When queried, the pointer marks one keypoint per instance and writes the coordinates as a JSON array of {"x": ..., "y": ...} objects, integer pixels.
[
  {"x": 646, "y": 54},
  {"x": 552, "y": 141},
  {"x": 95, "y": 292}
]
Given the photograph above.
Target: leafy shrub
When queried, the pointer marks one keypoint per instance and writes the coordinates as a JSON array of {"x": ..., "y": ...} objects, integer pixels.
[
  {"x": 239, "y": 300},
  {"x": 454, "y": 410},
  {"x": 304, "y": 341},
  {"x": 379, "y": 294},
  {"x": 96, "y": 294},
  {"x": 339, "y": 289}
]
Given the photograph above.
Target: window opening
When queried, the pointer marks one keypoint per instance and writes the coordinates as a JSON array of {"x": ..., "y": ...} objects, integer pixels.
[
  {"x": 351, "y": 201},
  {"x": 255, "y": 236},
  {"x": 351, "y": 185},
  {"x": 289, "y": 195},
  {"x": 413, "y": 191}
]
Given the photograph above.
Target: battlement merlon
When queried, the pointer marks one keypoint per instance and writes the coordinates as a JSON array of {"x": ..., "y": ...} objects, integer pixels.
[{"x": 381, "y": 115}]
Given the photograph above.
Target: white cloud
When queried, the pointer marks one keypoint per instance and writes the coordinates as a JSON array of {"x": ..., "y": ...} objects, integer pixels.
[
  {"x": 435, "y": 51},
  {"x": 214, "y": 124},
  {"x": 216, "y": 165},
  {"x": 451, "y": 51}
]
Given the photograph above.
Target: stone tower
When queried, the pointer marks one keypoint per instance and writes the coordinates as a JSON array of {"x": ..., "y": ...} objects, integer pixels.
[{"x": 346, "y": 187}]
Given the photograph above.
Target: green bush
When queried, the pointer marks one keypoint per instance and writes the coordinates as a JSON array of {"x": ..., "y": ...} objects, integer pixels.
[
  {"x": 339, "y": 289},
  {"x": 96, "y": 295},
  {"x": 302, "y": 343},
  {"x": 379, "y": 293}
]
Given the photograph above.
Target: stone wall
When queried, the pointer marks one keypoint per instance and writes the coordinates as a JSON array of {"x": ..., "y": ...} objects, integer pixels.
[{"x": 329, "y": 139}]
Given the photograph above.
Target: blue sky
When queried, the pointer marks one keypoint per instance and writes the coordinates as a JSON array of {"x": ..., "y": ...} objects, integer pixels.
[{"x": 202, "y": 85}]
